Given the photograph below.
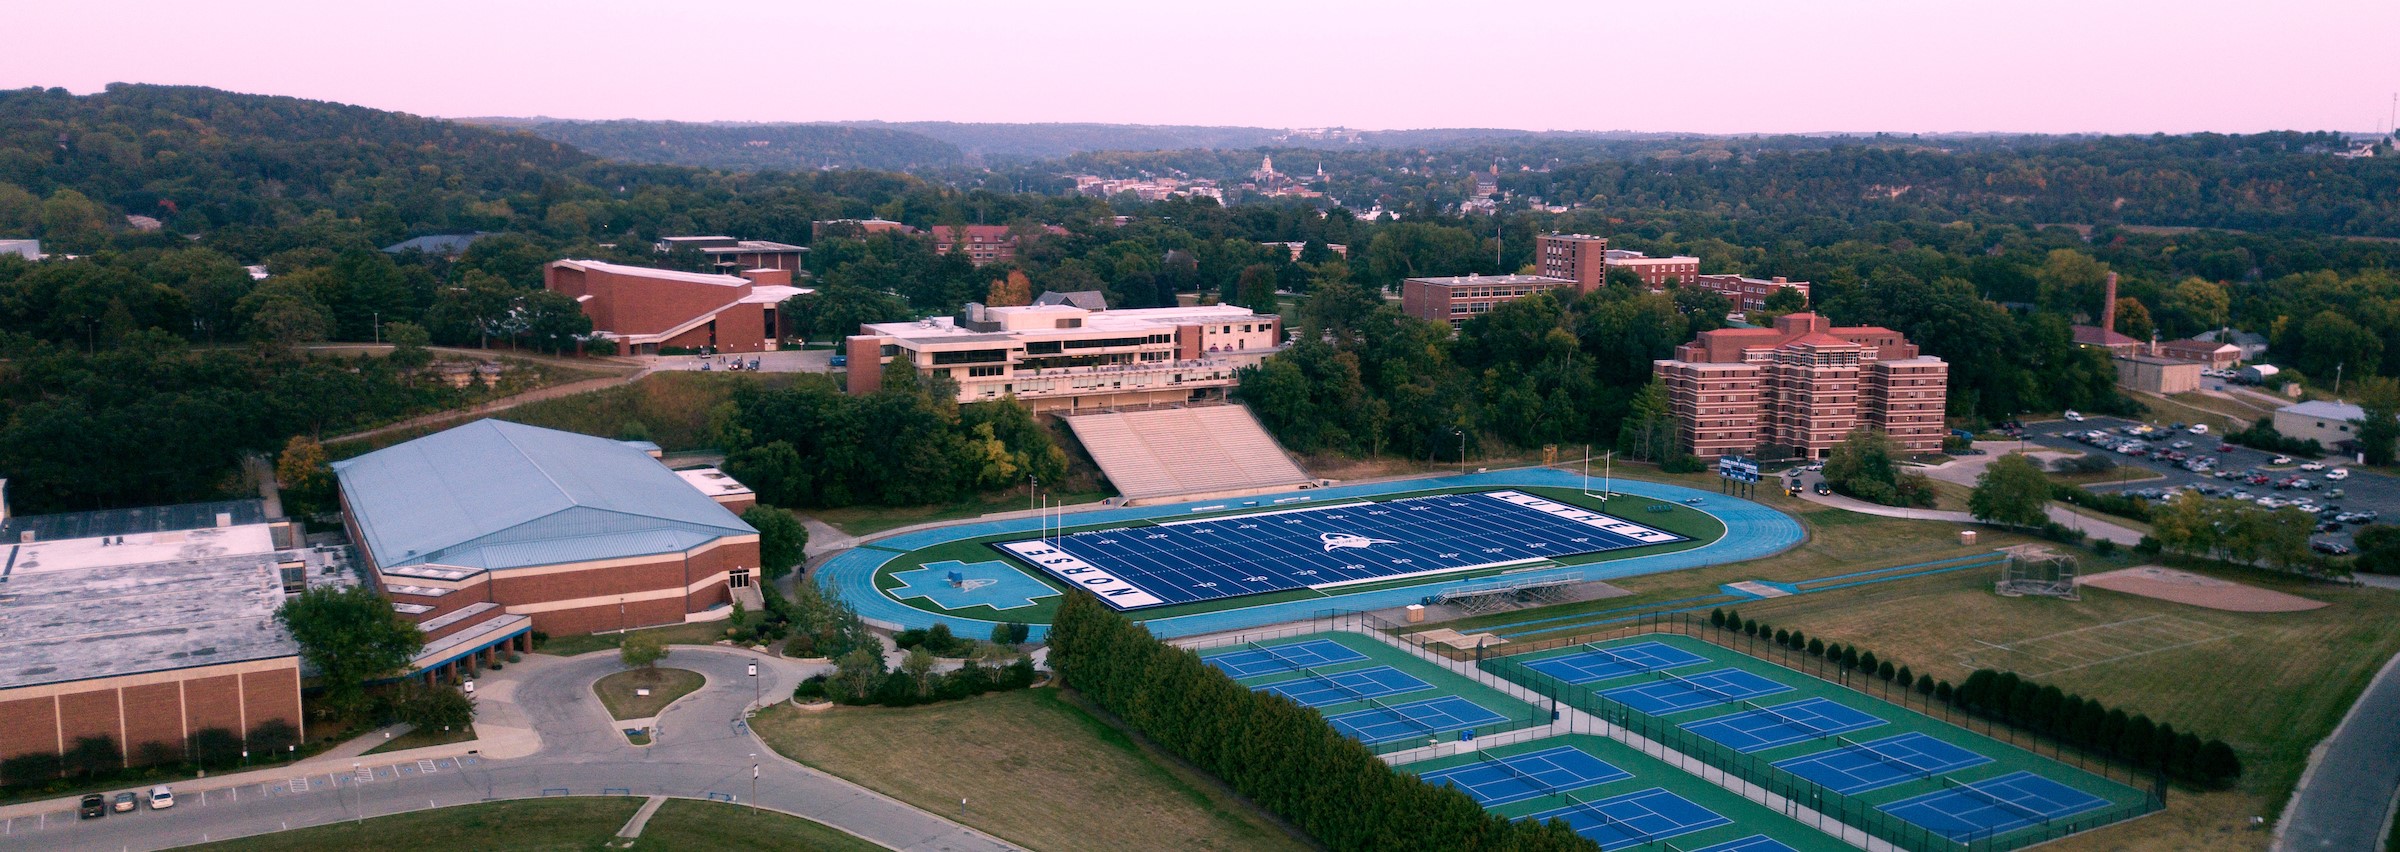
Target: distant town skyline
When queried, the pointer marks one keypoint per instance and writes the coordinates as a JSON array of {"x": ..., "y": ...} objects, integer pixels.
[{"x": 1747, "y": 66}]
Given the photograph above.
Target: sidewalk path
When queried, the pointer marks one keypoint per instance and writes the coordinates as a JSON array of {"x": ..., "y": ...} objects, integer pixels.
[{"x": 703, "y": 749}]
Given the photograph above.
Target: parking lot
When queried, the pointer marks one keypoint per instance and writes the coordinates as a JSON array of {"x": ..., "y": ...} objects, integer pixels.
[{"x": 2362, "y": 491}]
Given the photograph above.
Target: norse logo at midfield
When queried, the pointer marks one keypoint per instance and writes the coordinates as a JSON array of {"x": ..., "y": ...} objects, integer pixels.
[{"x": 1337, "y": 541}]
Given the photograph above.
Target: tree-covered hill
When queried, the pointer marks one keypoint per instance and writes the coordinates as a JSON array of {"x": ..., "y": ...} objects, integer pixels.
[{"x": 746, "y": 147}]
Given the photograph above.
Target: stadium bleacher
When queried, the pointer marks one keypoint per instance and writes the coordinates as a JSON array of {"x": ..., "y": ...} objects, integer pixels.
[{"x": 1216, "y": 449}]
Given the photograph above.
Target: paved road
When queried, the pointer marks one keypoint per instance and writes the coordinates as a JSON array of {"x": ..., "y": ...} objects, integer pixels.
[
  {"x": 1962, "y": 471},
  {"x": 2342, "y": 802},
  {"x": 704, "y": 749}
]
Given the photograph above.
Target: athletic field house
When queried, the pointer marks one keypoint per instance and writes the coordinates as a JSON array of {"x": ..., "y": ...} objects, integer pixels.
[{"x": 1653, "y": 736}]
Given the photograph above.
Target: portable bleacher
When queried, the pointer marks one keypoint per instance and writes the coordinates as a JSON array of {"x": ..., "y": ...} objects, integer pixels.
[{"x": 1217, "y": 450}]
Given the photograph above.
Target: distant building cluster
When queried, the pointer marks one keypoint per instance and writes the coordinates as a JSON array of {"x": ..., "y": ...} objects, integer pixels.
[
  {"x": 1149, "y": 188},
  {"x": 2174, "y": 366},
  {"x": 1068, "y": 351},
  {"x": 1587, "y": 259},
  {"x": 986, "y": 243},
  {"x": 1801, "y": 386}
]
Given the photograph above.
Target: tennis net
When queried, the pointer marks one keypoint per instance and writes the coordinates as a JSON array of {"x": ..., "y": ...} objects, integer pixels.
[
  {"x": 1572, "y": 800},
  {"x": 1996, "y": 801}
]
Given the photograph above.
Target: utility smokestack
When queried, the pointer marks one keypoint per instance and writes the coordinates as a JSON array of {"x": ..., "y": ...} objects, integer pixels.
[{"x": 2108, "y": 308}]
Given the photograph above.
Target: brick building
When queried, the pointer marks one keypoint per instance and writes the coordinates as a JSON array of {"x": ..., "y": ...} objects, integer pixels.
[
  {"x": 1059, "y": 354},
  {"x": 2208, "y": 354},
  {"x": 983, "y": 243},
  {"x": 733, "y": 257},
  {"x": 149, "y": 626},
  {"x": 2105, "y": 335},
  {"x": 1654, "y": 271},
  {"x": 1747, "y": 294},
  {"x": 1581, "y": 258},
  {"x": 1800, "y": 387},
  {"x": 1459, "y": 298},
  {"x": 645, "y": 310},
  {"x": 493, "y": 528}
]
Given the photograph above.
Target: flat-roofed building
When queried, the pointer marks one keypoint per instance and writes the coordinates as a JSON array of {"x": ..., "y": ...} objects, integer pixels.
[
  {"x": 2207, "y": 353},
  {"x": 645, "y": 310},
  {"x": 495, "y": 527},
  {"x": 985, "y": 243},
  {"x": 1581, "y": 258},
  {"x": 732, "y": 256},
  {"x": 1067, "y": 356},
  {"x": 2331, "y": 423},
  {"x": 150, "y": 626},
  {"x": 1747, "y": 294},
  {"x": 1457, "y": 299},
  {"x": 1801, "y": 386},
  {"x": 1654, "y": 271},
  {"x": 2153, "y": 374}
]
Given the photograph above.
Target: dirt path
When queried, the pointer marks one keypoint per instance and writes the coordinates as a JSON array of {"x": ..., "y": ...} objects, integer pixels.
[{"x": 494, "y": 406}]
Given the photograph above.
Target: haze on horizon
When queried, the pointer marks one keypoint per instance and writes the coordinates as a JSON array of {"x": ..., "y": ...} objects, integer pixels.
[{"x": 1745, "y": 66}]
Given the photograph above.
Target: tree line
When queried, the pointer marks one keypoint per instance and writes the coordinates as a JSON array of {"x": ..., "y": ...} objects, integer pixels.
[
  {"x": 909, "y": 442},
  {"x": 1271, "y": 751},
  {"x": 2020, "y": 702}
]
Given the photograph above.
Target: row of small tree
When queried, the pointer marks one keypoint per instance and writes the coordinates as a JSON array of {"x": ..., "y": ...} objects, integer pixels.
[
  {"x": 859, "y": 677},
  {"x": 96, "y": 759},
  {"x": 2007, "y": 698},
  {"x": 1270, "y": 750}
]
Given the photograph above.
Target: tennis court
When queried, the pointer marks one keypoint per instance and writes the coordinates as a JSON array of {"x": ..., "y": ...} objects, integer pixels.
[
  {"x": 1994, "y": 806},
  {"x": 1525, "y": 777},
  {"x": 1857, "y": 767},
  {"x": 1284, "y": 658},
  {"x": 1324, "y": 546},
  {"x": 1753, "y": 843},
  {"x": 1597, "y": 664},
  {"x": 1783, "y": 724},
  {"x": 1431, "y": 718},
  {"x": 1323, "y": 690},
  {"x": 1634, "y": 819},
  {"x": 1674, "y": 693}
]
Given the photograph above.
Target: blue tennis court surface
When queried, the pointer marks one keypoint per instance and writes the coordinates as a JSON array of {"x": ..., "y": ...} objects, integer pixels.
[
  {"x": 1284, "y": 658},
  {"x": 1598, "y": 664},
  {"x": 1634, "y": 819},
  {"x": 1994, "y": 806},
  {"x": 1379, "y": 725},
  {"x": 1677, "y": 693},
  {"x": 1344, "y": 687},
  {"x": 1753, "y": 843},
  {"x": 1320, "y": 546},
  {"x": 1524, "y": 777},
  {"x": 1860, "y": 767},
  {"x": 1783, "y": 724},
  {"x": 995, "y": 584}
]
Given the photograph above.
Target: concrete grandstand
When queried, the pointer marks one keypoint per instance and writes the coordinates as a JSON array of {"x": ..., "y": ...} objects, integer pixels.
[{"x": 1188, "y": 453}]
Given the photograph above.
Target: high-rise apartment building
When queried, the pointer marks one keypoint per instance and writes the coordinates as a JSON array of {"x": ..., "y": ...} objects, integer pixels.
[{"x": 1799, "y": 387}]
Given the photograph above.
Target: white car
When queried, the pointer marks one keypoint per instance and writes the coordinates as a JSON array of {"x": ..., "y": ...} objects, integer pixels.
[
  {"x": 2073, "y": 416},
  {"x": 2280, "y": 460},
  {"x": 161, "y": 798},
  {"x": 2338, "y": 474},
  {"x": 2313, "y": 467},
  {"x": 2199, "y": 429}
]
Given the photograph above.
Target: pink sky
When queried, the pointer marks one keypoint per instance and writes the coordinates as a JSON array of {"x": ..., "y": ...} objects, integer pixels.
[{"x": 1726, "y": 66}]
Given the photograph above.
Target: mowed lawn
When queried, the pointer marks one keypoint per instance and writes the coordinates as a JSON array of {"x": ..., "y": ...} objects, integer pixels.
[
  {"x": 2269, "y": 684},
  {"x": 1035, "y": 769},
  {"x": 567, "y": 823},
  {"x": 620, "y": 692}
]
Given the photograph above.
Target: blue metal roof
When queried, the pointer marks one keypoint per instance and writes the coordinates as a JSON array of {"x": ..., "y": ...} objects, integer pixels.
[{"x": 494, "y": 494}]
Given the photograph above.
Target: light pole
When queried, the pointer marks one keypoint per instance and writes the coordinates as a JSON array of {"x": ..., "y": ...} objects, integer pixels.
[
  {"x": 755, "y": 690},
  {"x": 1030, "y": 484},
  {"x": 1462, "y": 450},
  {"x": 754, "y": 780}
]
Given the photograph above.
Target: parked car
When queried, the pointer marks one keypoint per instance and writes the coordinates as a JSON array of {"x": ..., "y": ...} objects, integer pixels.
[
  {"x": 124, "y": 803},
  {"x": 161, "y": 798},
  {"x": 2223, "y": 447},
  {"x": 2329, "y": 526},
  {"x": 2329, "y": 548},
  {"x": 2073, "y": 416},
  {"x": 2198, "y": 429},
  {"x": 94, "y": 807},
  {"x": 2338, "y": 474},
  {"x": 841, "y": 360},
  {"x": 2181, "y": 445},
  {"x": 2312, "y": 467},
  {"x": 2280, "y": 460}
]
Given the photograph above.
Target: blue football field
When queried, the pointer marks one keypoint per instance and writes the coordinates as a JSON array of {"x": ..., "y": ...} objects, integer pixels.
[{"x": 1322, "y": 546}]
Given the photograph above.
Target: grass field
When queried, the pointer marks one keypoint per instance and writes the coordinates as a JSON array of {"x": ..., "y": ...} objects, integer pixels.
[
  {"x": 618, "y": 691},
  {"x": 1698, "y": 526},
  {"x": 581, "y": 823},
  {"x": 695, "y": 633},
  {"x": 1036, "y": 770},
  {"x": 423, "y": 737},
  {"x": 525, "y": 825},
  {"x": 2270, "y": 685}
]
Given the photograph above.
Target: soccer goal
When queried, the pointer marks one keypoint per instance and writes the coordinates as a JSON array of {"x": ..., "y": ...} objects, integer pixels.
[{"x": 2033, "y": 569}]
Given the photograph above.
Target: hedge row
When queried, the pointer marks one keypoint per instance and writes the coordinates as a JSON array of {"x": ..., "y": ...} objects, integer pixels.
[
  {"x": 1276, "y": 753},
  {"x": 2009, "y": 699}
]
